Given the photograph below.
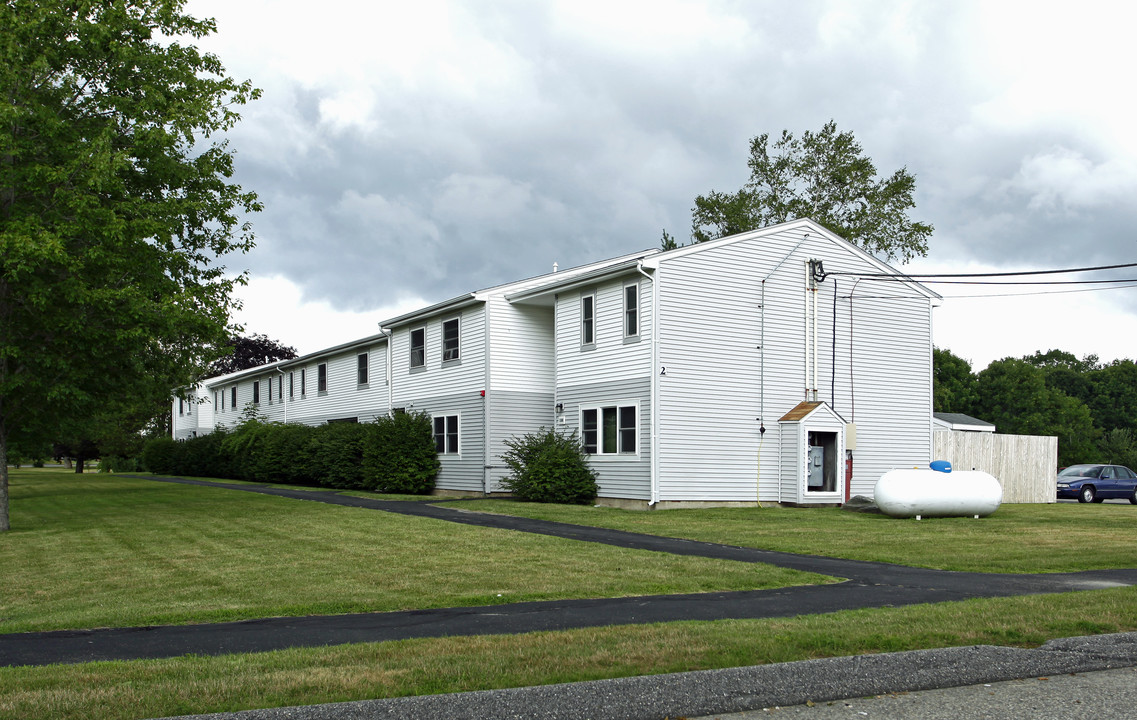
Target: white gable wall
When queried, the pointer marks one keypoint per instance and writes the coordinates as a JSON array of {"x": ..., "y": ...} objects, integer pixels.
[{"x": 712, "y": 393}]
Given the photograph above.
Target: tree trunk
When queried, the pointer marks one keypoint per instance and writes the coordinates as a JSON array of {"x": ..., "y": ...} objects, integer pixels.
[
  {"x": 79, "y": 466},
  {"x": 4, "y": 523}
]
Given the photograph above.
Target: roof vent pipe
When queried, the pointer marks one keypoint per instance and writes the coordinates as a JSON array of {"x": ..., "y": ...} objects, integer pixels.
[{"x": 554, "y": 267}]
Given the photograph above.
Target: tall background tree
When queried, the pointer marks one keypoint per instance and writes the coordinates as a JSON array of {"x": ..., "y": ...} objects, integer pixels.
[
  {"x": 249, "y": 352},
  {"x": 116, "y": 207},
  {"x": 824, "y": 176},
  {"x": 1090, "y": 406}
]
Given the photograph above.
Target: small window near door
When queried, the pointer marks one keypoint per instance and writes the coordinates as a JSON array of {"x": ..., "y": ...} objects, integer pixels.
[{"x": 609, "y": 430}]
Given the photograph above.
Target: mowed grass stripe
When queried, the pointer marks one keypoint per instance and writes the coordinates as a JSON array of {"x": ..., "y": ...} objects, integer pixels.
[
  {"x": 106, "y": 551},
  {"x": 304, "y": 676},
  {"x": 1015, "y": 539}
]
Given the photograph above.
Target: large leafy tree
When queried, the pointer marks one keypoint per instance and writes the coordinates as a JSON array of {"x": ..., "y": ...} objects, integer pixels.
[
  {"x": 1012, "y": 394},
  {"x": 953, "y": 384},
  {"x": 250, "y": 352},
  {"x": 824, "y": 176},
  {"x": 116, "y": 207}
]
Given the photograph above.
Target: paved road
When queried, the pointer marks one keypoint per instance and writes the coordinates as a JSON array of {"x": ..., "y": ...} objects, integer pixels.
[{"x": 1093, "y": 678}]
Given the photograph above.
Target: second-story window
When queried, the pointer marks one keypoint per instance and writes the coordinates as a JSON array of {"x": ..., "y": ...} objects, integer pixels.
[
  {"x": 587, "y": 319},
  {"x": 450, "y": 340},
  {"x": 361, "y": 369},
  {"x": 631, "y": 310},
  {"x": 418, "y": 347}
]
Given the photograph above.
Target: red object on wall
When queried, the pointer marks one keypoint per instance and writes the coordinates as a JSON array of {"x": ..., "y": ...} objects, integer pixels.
[{"x": 848, "y": 474}]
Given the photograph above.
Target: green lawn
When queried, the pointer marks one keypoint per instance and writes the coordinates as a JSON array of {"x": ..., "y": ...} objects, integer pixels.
[
  {"x": 1016, "y": 538},
  {"x": 107, "y": 550},
  {"x": 104, "y": 550}
]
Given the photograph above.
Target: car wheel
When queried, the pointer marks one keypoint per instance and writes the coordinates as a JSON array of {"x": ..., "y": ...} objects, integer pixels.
[
  {"x": 1133, "y": 497},
  {"x": 1087, "y": 495}
]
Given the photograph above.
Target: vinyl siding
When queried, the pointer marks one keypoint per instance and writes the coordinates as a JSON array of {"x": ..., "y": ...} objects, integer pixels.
[
  {"x": 619, "y": 476},
  {"x": 612, "y": 358},
  {"x": 521, "y": 356},
  {"x": 514, "y": 415},
  {"x": 344, "y": 398},
  {"x": 438, "y": 378},
  {"x": 466, "y": 470},
  {"x": 713, "y": 398}
]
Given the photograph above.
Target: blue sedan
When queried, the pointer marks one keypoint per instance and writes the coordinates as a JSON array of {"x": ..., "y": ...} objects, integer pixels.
[{"x": 1094, "y": 483}]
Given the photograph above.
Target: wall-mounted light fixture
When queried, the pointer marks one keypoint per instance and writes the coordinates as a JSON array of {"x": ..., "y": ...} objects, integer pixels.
[{"x": 560, "y": 407}]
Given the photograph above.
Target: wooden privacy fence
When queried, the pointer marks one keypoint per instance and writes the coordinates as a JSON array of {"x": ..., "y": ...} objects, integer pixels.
[{"x": 1025, "y": 465}]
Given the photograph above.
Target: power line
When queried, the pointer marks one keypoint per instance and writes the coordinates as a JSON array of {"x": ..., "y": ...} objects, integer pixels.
[{"x": 914, "y": 276}]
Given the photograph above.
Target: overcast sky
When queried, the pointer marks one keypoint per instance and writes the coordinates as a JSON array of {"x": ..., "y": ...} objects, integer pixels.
[{"x": 407, "y": 152}]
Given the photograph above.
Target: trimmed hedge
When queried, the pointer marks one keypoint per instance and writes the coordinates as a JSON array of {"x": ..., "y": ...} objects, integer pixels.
[
  {"x": 549, "y": 467},
  {"x": 392, "y": 455}
]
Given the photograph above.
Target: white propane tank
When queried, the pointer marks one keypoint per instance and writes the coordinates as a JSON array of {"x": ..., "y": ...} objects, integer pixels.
[{"x": 919, "y": 492}]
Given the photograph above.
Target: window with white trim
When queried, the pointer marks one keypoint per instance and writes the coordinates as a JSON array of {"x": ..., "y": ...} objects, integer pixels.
[
  {"x": 450, "y": 340},
  {"x": 280, "y": 388},
  {"x": 268, "y": 389},
  {"x": 256, "y": 392},
  {"x": 292, "y": 384},
  {"x": 303, "y": 381},
  {"x": 322, "y": 377},
  {"x": 361, "y": 369},
  {"x": 632, "y": 310},
  {"x": 233, "y": 398},
  {"x": 446, "y": 434},
  {"x": 609, "y": 430},
  {"x": 587, "y": 319},
  {"x": 418, "y": 347}
]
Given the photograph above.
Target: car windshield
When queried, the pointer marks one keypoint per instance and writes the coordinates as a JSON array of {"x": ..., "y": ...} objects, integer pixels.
[{"x": 1081, "y": 471}]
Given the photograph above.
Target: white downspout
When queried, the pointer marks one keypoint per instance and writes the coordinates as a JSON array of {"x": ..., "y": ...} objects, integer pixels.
[
  {"x": 286, "y": 398},
  {"x": 390, "y": 378},
  {"x": 655, "y": 370},
  {"x": 486, "y": 404}
]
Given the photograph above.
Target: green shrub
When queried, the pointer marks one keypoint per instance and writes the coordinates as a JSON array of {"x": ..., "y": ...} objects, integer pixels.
[
  {"x": 284, "y": 455},
  {"x": 549, "y": 467},
  {"x": 336, "y": 455},
  {"x": 399, "y": 455},
  {"x": 161, "y": 456},
  {"x": 116, "y": 464}
]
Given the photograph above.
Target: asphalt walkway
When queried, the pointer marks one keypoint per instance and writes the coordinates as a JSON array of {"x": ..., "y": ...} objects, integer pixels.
[{"x": 866, "y": 584}]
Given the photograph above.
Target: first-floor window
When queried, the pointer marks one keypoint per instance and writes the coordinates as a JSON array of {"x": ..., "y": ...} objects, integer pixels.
[
  {"x": 322, "y": 377},
  {"x": 181, "y": 406},
  {"x": 302, "y": 382},
  {"x": 256, "y": 392},
  {"x": 446, "y": 433},
  {"x": 609, "y": 430},
  {"x": 233, "y": 397},
  {"x": 292, "y": 385}
]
